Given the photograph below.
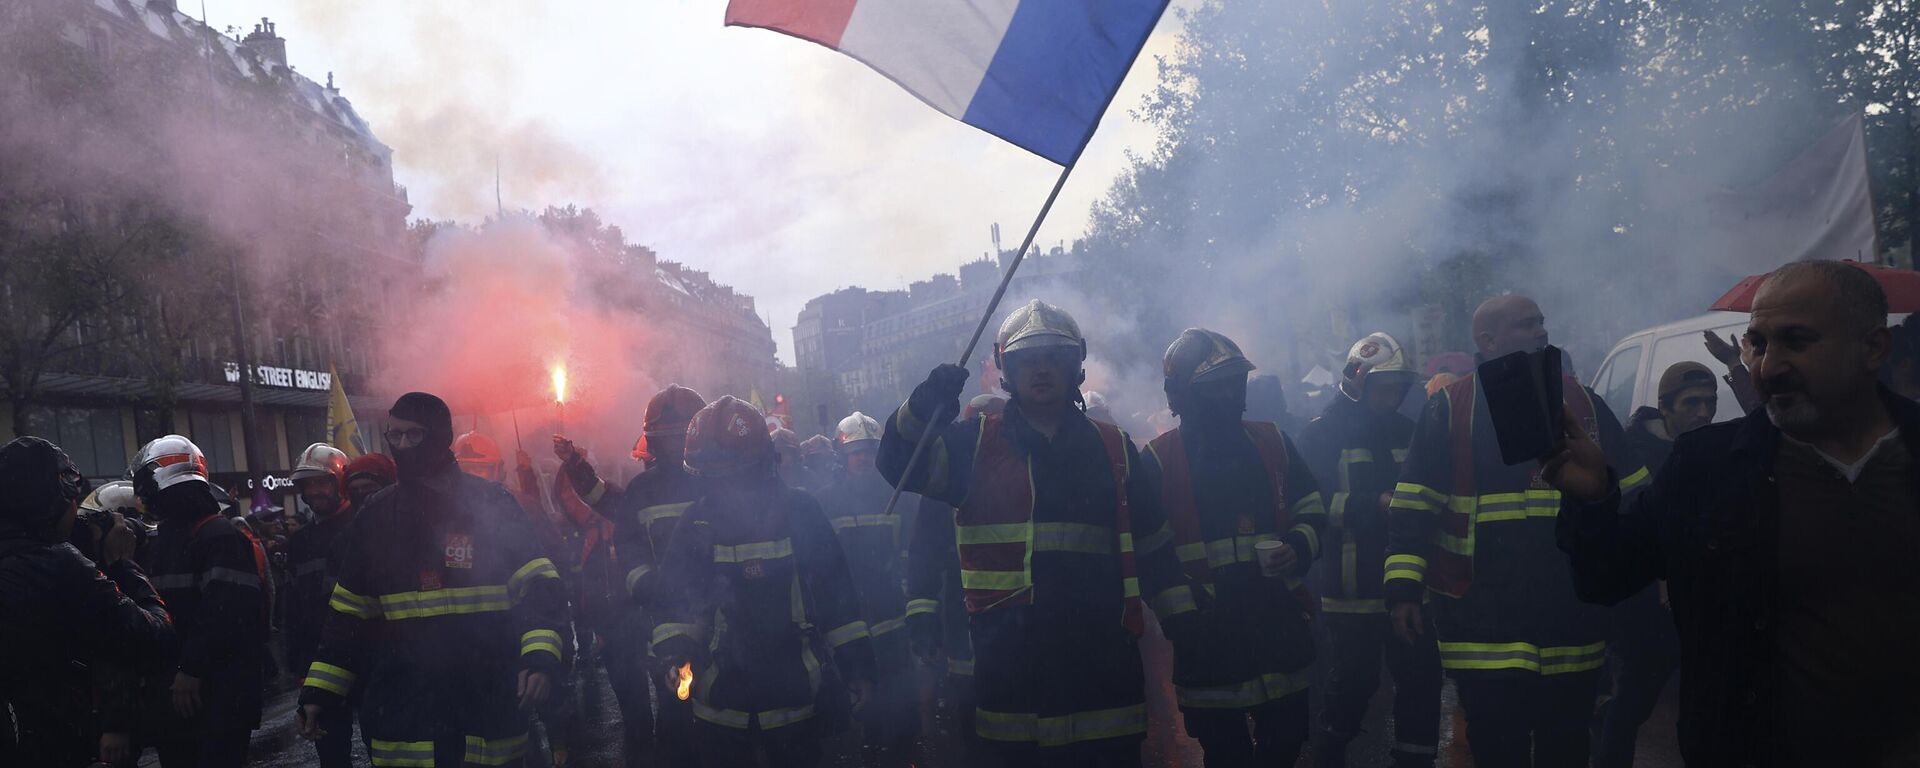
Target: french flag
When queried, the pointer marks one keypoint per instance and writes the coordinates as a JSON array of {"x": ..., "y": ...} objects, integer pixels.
[{"x": 1038, "y": 73}]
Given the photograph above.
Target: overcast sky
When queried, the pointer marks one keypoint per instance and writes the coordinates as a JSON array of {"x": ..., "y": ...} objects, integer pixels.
[{"x": 785, "y": 169}]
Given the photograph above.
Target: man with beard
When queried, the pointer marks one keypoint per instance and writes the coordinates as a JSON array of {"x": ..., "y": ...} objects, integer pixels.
[
  {"x": 320, "y": 476},
  {"x": 1783, "y": 538},
  {"x": 444, "y": 609},
  {"x": 213, "y": 576},
  {"x": 856, "y": 506},
  {"x": 645, "y": 515},
  {"x": 1475, "y": 536},
  {"x": 754, "y": 596},
  {"x": 1058, "y": 538}
]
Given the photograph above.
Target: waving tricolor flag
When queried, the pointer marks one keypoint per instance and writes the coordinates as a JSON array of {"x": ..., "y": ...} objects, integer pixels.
[{"x": 1038, "y": 73}]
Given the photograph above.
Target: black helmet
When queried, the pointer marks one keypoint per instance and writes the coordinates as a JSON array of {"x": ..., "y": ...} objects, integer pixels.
[{"x": 41, "y": 483}]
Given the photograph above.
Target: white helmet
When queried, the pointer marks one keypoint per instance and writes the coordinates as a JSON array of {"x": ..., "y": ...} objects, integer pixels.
[
  {"x": 1378, "y": 352},
  {"x": 166, "y": 462},
  {"x": 320, "y": 459},
  {"x": 111, "y": 497},
  {"x": 1035, "y": 325},
  {"x": 857, "y": 428}
]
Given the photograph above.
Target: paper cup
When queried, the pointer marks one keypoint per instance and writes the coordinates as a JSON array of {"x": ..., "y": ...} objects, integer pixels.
[{"x": 1269, "y": 554}]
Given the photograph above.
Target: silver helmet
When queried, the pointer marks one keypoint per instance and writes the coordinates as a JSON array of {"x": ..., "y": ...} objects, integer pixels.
[
  {"x": 857, "y": 428},
  {"x": 166, "y": 462},
  {"x": 320, "y": 459}
]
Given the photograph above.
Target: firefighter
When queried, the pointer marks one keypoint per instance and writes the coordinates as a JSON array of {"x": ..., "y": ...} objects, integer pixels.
[
  {"x": 822, "y": 463},
  {"x": 67, "y": 617},
  {"x": 213, "y": 576},
  {"x": 1228, "y": 485},
  {"x": 320, "y": 476},
  {"x": 444, "y": 609},
  {"x": 644, "y": 515},
  {"x": 366, "y": 475},
  {"x": 755, "y": 598},
  {"x": 1058, "y": 537},
  {"x": 1357, "y": 446},
  {"x": 856, "y": 506},
  {"x": 1476, "y": 536},
  {"x": 786, "y": 445}
]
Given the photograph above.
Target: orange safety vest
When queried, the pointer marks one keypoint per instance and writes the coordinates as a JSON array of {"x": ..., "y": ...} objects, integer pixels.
[
  {"x": 1183, "y": 512},
  {"x": 1452, "y": 572},
  {"x": 994, "y": 527}
]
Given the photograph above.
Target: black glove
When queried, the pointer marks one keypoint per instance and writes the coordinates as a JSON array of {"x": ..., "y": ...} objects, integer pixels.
[{"x": 940, "y": 391}]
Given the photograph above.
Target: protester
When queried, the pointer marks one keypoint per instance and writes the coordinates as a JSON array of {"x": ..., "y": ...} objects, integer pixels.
[
  {"x": 822, "y": 463},
  {"x": 320, "y": 476},
  {"x": 1781, "y": 537},
  {"x": 1739, "y": 380},
  {"x": 786, "y": 446}
]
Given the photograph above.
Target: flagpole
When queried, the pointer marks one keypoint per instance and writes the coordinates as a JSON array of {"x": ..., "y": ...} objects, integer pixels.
[{"x": 966, "y": 356}]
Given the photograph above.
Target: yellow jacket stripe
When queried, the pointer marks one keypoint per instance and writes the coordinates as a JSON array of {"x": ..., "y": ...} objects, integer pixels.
[
  {"x": 327, "y": 677},
  {"x": 502, "y": 751},
  {"x": 353, "y": 605},
  {"x": 1549, "y": 660},
  {"x": 1062, "y": 730},
  {"x": 535, "y": 641}
]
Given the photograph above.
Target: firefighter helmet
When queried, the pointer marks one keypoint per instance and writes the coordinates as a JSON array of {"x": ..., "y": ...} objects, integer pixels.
[
  {"x": 785, "y": 440},
  {"x": 477, "y": 451},
  {"x": 1095, "y": 400},
  {"x": 984, "y": 404},
  {"x": 728, "y": 438},
  {"x": 1199, "y": 356},
  {"x": 166, "y": 462},
  {"x": 1034, "y": 326},
  {"x": 1377, "y": 353},
  {"x": 857, "y": 429},
  {"x": 818, "y": 445},
  {"x": 320, "y": 459},
  {"x": 668, "y": 414},
  {"x": 116, "y": 496}
]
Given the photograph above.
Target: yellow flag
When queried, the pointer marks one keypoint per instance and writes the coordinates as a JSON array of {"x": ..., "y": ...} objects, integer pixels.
[
  {"x": 343, "y": 431},
  {"x": 753, "y": 398}
]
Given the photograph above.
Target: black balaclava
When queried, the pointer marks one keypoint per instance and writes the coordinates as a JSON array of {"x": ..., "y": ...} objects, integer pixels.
[
  {"x": 434, "y": 454},
  {"x": 186, "y": 500},
  {"x": 41, "y": 484}
]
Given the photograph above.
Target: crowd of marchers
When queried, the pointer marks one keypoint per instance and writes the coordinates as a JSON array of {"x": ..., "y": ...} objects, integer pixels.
[{"x": 758, "y": 599}]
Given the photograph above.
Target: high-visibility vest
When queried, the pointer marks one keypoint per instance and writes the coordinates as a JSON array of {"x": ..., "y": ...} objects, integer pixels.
[
  {"x": 1452, "y": 570},
  {"x": 1197, "y": 555},
  {"x": 995, "y": 531}
]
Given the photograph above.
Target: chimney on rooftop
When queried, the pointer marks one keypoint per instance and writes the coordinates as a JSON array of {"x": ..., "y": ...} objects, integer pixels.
[{"x": 268, "y": 45}]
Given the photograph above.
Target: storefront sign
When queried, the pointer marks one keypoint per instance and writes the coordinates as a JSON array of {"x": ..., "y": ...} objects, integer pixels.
[
  {"x": 274, "y": 481},
  {"x": 283, "y": 378}
]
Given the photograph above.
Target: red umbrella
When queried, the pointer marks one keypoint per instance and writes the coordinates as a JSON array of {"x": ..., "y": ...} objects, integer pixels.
[{"x": 1902, "y": 287}]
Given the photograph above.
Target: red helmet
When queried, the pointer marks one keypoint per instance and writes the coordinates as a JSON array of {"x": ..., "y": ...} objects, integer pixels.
[
  {"x": 728, "y": 439},
  {"x": 476, "y": 453},
  {"x": 668, "y": 414}
]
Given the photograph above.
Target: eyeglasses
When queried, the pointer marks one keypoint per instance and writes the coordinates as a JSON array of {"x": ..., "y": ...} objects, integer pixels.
[{"x": 406, "y": 438}]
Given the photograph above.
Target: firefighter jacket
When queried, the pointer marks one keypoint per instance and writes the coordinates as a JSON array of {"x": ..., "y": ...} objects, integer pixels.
[
  {"x": 1225, "y": 491},
  {"x": 442, "y": 598},
  {"x": 759, "y": 600},
  {"x": 856, "y": 508},
  {"x": 1057, "y": 540},
  {"x": 213, "y": 576},
  {"x": 1356, "y": 453},
  {"x": 1478, "y": 535},
  {"x": 936, "y": 605},
  {"x": 64, "y": 618},
  {"x": 644, "y": 515},
  {"x": 313, "y": 557}
]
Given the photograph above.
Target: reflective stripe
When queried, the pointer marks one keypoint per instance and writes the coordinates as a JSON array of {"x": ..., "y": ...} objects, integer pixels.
[
  {"x": 1239, "y": 549},
  {"x": 993, "y": 580},
  {"x": 1415, "y": 497},
  {"x": 879, "y": 628},
  {"x": 537, "y": 568},
  {"x": 1000, "y": 533},
  {"x": 1312, "y": 536},
  {"x": 1550, "y": 660},
  {"x": 1415, "y": 749},
  {"x": 540, "y": 640},
  {"x": 1251, "y": 693},
  {"x": 864, "y": 521},
  {"x": 1337, "y": 605},
  {"x": 310, "y": 567},
  {"x": 650, "y": 515},
  {"x": 1187, "y": 553},
  {"x": 733, "y": 718},
  {"x": 1174, "y": 601},
  {"x": 411, "y": 754},
  {"x": 1074, "y": 537},
  {"x": 919, "y": 606},
  {"x": 634, "y": 576},
  {"x": 233, "y": 576},
  {"x": 960, "y": 667},
  {"x": 172, "y": 581},
  {"x": 910, "y": 426},
  {"x": 1308, "y": 507},
  {"x": 353, "y": 605},
  {"x": 664, "y": 632},
  {"x": 1154, "y": 541},
  {"x": 1092, "y": 726},
  {"x": 327, "y": 677},
  {"x": 1337, "y": 509},
  {"x": 502, "y": 751},
  {"x": 1355, "y": 456},
  {"x": 759, "y": 550},
  {"x": 779, "y": 717},
  {"x": 1409, "y": 567},
  {"x": 599, "y": 492},
  {"x": 848, "y": 633},
  {"x": 1635, "y": 480},
  {"x": 444, "y": 602},
  {"x": 1503, "y": 507}
]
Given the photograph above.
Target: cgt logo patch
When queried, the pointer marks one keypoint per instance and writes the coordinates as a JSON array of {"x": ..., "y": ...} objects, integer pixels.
[{"x": 459, "y": 550}]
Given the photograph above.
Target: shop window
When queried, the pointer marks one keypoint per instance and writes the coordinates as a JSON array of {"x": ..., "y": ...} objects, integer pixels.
[
  {"x": 92, "y": 437},
  {"x": 305, "y": 428},
  {"x": 213, "y": 432}
]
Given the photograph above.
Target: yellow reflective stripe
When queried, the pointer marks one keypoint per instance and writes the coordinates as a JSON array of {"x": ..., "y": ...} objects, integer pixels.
[
  {"x": 502, "y": 751},
  {"x": 848, "y": 633},
  {"x": 1308, "y": 507},
  {"x": 776, "y": 718},
  {"x": 667, "y": 631},
  {"x": 993, "y": 580},
  {"x": 1187, "y": 553},
  {"x": 1092, "y": 726},
  {"x": 1355, "y": 456},
  {"x": 999, "y": 533},
  {"x": 353, "y": 605},
  {"x": 634, "y": 576},
  {"x": 919, "y": 606},
  {"x": 960, "y": 666},
  {"x": 1239, "y": 549},
  {"x": 401, "y": 754},
  {"x": 540, "y": 640},
  {"x": 1635, "y": 480},
  {"x": 1414, "y": 497},
  {"x": 445, "y": 602},
  {"x": 1501, "y": 507},
  {"x": 910, "y": 426},
  {"x": 1174, "y": 601},
  {"x": 862, "y": 521},
  {"x": 599, "y": 492},
  {"x": 1312, "y": 536},
  {"x": 733, "y": 718},
  {"x": 1248, "y": 693},
  {"x": 537, "y": 568},
  {"x": 1410, "y": 567},
  {"x": 658, "y": 512},
  {"x": 1151, "y": 542},
  {"x": 1549, "y": 660},
  {"x": 1341, "y": 605},
  {"x": 879, "y": 628},
  {"x": 329, "y": 678},
  {"x": 759, "y": 550},
  {"x": 1337, "y": 509},
  {"x": 1074, "y": 537}
]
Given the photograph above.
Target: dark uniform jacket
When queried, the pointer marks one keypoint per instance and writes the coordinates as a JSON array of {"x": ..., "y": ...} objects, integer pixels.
[
  {"x": 759, "y": 600},
  {"x": 1518, "y": 615},
  {"x": 1709, "y": 525},
  {"x": 64, "y": 617},
  {"x": 936, "y": 609},
  {"x": 871, "y": 538},
  {"x": 644, "y": 515},
  {"x": 1062, "y": 668},
  {"x": 313, "y": 557},
  {"x": 442, "y": 598},
  {"x": 212, "y": 575},
  {"x": 1356, "y": 455}
]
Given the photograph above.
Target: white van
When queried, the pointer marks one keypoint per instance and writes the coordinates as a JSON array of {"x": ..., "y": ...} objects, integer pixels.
[{"x": 1631, "y": 372}]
